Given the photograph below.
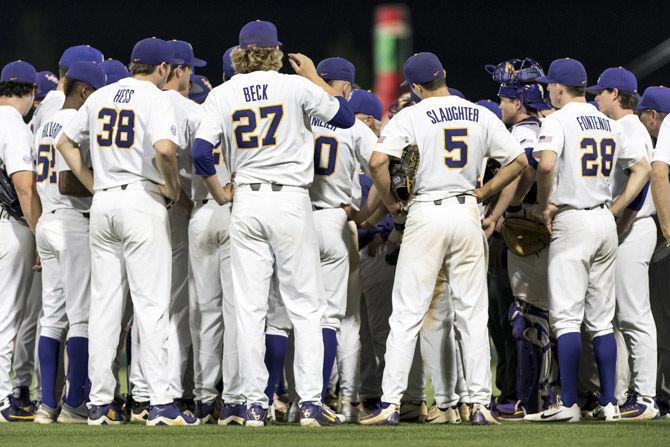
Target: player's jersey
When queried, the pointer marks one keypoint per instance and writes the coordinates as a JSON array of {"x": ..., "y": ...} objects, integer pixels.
[
  {"x": 453, "y": 136},
  {"x": 199, "y": 190},
  {"x": 122, "y": 121},
  {"x": 588, "y": 146},
  {"x": 50, "y": 162},
  {"x": 182, "y": 108},
  {"x": 338, "y": 153},
  {"x": 264, "y": 116},
  {"x": 16, "y": 142},
  {"x": 51, "y": 104},
  {"x": 662, "y": 150},
  {"x": 636, "y": 135}
]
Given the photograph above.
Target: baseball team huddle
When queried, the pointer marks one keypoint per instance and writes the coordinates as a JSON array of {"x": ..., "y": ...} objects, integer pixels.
[{"x": 278, "y": 249}]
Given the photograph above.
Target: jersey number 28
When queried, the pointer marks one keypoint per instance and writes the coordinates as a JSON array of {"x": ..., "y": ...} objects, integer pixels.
[
  {"x": 597, "y": 155},
  {"x": 118, "y": 128}
]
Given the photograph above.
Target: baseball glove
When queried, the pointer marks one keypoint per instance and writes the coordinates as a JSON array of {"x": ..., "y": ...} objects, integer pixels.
[
  {"x": 403, "y": 173},
  {"x": 524, "y": 237},
  {"x": 8, "y": 198}
]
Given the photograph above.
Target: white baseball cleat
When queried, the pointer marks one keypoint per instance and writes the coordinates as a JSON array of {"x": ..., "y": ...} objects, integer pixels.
[
  {"x": 556, "y": 413},
  {"x": 481, "y": 415},
  {"x": 464, "y": 410},
  {"x": 45, "y": 414},
  {"x": 351, "y": 412},
  {"x": 73, "y": 415},
  {"x": 639, "y": 408},
  {"x": 293, "y": 415},
  {"x": 438, "y": 416},
  {"x": 608, "y": 413}
]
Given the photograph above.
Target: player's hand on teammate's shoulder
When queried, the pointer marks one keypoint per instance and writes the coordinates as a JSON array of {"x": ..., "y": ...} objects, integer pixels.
[{"x": 302, "y": 65}]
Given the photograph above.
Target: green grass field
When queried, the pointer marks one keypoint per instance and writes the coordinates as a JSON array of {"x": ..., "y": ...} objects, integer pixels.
[{"x": 656, "y": 433}]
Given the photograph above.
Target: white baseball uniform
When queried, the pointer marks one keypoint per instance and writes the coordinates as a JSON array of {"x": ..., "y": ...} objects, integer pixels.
[
  {"x": 17, "y": 245},
  {"x": 51, "y": 104},
  {"x": 129, "y": 229},
  {"x": 584, "y": 241},
  {"x": 212, "y": 306},
  {"x": 263, "y": 116},
  {"x": 62, "y": 238},
  {"x": 443, "y": 232}
]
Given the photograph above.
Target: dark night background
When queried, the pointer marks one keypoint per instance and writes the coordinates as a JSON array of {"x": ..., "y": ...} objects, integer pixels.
[{"x": 466, "y": 35}]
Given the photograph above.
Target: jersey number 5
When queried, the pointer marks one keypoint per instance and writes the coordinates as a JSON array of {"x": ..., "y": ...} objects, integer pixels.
[
  {"x": 456, "y": 147},
  {"x": 118, "y": 128},
  {"x": 597, "y": 155},
  {"x": 245, "y": 130}
]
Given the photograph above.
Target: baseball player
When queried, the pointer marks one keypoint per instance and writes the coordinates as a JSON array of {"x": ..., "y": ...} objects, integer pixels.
[
  {"x": 200, "y": 88},
  {"x": 616, "y": 91},
  {"x": 131, "y": 129},
  {"x": 443, "y": 229},
  {"x": 262, "y": 116},
  {"x": 578, "y": 148},
  {"x": 46, "y": 82},
  {"x": 62, "y": 243},
  {"x": 53, "y": 101},
  {"x": 17, "y": 91},
  {"x": 114, "y": 70}
]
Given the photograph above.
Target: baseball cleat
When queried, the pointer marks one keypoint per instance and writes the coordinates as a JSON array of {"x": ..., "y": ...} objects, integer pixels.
[
  {"x": 464, "y": 410},
  {"x": 255, "y": 416},
  {"x": 413, "y": 411},
  {"x": 481, "y": 415},
  {"x": 186, "y": 406},
  {"x": 72, "y": 415},
  {"x": 351, "y": 412},
  {"x": 607, "y": 413},
  {"x": 45, "y": 414},
  {"x": 293, "y": 415},
  {"x": 436, "y": 415},
  {"x": 169, "y": 414},
  {"x": 279, "y": 409},
  {"x": 510, "y": 411},
  {"x": 384, "y": 414},
  {"x": 109, "y": 414},
  {"x": 233, "y": 414},
  {"x": 639, "y": 408},
  {"x": 12, "y": 411},
  {"x": 313, "y": 415},
  {"x": 139, "y": 412},
  {"x": 207, "y": 413},
  {"x": 556, "y": 413}
]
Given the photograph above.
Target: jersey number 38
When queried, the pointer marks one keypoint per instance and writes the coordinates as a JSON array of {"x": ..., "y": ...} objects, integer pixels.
[{"x": 118, "y": 128}]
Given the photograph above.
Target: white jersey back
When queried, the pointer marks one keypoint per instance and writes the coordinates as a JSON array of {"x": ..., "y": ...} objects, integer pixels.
[
  {"x": 588, "y": 146},
  {"x": 453, "y": 136},
  {"x": 198, "y": 189},
  {"x": 264, "y": 118},
  {"x": 662, "y": 150},
  {"x": 182, "y": 108},
  {"x": 49, "y": 162},
  {"x": 122, "y": 121},
  {"x": 338, "y": 155},
  {"x": 527, "y": 131},
  {"x": 15, "y": 142},
  {"x": 51, "y": 104},
  {"x": 638, "y": 136}
]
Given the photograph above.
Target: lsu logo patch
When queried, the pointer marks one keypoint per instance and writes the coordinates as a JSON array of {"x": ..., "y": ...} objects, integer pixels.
[
  {"x": 28, "y": 159},
  {"x": 173, "y": 130}
]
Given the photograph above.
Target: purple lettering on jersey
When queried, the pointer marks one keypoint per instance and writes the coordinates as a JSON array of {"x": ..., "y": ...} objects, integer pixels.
[
  {"x": 255, "y": 93},
  {"x": 124, "y": 95}
]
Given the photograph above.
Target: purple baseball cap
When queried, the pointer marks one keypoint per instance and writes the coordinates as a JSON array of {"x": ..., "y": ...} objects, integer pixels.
[
  {"x": 336, "y": 69},
  {"x": 46, "y": 81},
  {"x": 530, "y": 94},
  {"x": 228, "y": 70},
  {"x": 19, "y": 71},
  {"x": 492, "y": 106},
  {"x": 565, "y": 71},
  {"x": 655, "y": 98},
  {"x": 455, "y": 92},
  {"x": 115, "y": 70},
  {"x": 260, "y": 34},
  {"x": 184, "y": 50},
  {"x": 200, "y": 88},
  {"x": 615, "y": 77},
  {"x": 421, "y": 68},
  {"x": 153, "y": 51},
  {"x": 367, "y": 103},
  {"x": 80, "y": 53},
  {"x": 88, "y": 72}
]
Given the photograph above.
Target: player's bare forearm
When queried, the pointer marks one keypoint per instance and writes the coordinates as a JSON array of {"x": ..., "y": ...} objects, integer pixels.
[
  {"x": 72, "y": 156},
  {"x": 526, "y": 180},
  {"x": 24, "y": 184},
  {"x": 379, "y": 170},
  {"x": 166, "y": 161},
  {"x": 639, "y": 176},
  {"x": 505, "y": 199},
  {"x": 371, "y": 205},
  {"x": 222, "y": 194},
  {"x": 374, "y": 218},
  {"x": 545, "y": 178},
  {"x": 503, "y": 177},
  {"x": 660, "y": 191},
  {"x": 69, "y": 185}
]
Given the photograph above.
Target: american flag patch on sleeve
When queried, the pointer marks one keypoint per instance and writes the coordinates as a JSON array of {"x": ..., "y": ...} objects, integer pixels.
[
  {"x": 381, "y": 140},
  {"x": 545, "y": 139}
]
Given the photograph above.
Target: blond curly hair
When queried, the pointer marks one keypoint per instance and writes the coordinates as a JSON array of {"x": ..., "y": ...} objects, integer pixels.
[{"x": 246, "y": 60}]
